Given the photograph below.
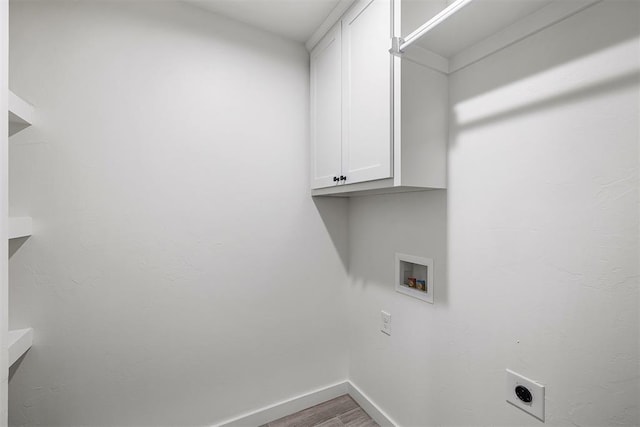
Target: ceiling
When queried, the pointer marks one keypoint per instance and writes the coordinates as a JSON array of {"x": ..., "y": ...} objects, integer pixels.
[{"x": 293, "y": 19}]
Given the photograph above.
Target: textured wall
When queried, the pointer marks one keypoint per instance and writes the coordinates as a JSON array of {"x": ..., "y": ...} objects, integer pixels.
[
  {"x": 539, "y": 228},
  {"x": 179, "y": 272}
]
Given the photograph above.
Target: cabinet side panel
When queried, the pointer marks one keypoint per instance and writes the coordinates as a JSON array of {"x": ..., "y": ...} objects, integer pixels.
[{"x": 424, "y": 126}]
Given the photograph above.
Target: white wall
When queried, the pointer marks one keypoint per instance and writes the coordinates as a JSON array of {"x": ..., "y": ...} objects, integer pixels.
[
  {"x": 180, "y": 272},
  {"x": 4, "y": 54},
  {"x": 535, "y": 241}
]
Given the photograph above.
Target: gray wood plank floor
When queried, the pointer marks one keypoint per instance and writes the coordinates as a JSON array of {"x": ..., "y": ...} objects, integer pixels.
[{"x": 342, "y": 411}]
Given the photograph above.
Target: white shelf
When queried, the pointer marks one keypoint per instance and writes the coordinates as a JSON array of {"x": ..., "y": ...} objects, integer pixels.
[
  {"x": 468, "y": 31},
  {"x": 19, "y": 341},
  {"x": 21, "y": 113},
  {"x": 20, "y": 227}
]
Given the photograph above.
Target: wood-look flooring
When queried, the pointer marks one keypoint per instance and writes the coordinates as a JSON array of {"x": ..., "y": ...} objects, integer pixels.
[{"x": 342, "y": 411}]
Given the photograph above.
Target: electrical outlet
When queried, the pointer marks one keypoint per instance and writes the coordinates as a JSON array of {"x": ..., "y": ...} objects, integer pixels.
[
  {"x": 526, "y": 394},
  {"x": 386, "y": 322}
]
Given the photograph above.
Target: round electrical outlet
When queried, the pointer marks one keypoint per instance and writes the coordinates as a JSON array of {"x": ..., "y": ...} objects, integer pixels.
[{"x": 523, "y": 394}]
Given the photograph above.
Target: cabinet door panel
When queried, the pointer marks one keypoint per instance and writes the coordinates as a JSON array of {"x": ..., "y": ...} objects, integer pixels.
[
  {"x": 366, "y": 138},
  {"x": 326, "y": 109}
]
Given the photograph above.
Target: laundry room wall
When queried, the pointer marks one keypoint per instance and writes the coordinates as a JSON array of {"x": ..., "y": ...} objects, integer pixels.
[
  {"x": 179, "y": 272},
  {"x": 535, "y": 241}
]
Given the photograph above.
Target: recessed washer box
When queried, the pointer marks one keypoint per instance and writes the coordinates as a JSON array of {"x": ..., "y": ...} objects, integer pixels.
[{"x": 414, "y": 276}]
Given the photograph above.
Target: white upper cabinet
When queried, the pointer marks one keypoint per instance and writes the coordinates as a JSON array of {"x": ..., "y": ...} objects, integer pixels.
[
  {"x": 351, "y": 98},
  {"x": 366, "y": 92},
  {"x": 392, "y": 114},
  {"x": 326, "y": 110}
]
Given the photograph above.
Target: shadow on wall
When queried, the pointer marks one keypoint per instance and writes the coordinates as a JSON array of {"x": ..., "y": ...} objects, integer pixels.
[
  {"x": 14, "y": 368},
  {"x": 570, "y": 44},
  {"x": 334, "y": 211},
  {"x": 16, "y": 244},
  {"x": 575, "y": 95},
  {"x": 410, "y": 223},
  {"x": 531, "y": 70}
]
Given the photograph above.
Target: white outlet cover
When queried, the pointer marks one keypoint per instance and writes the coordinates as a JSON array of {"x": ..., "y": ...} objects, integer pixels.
[
  {"x": 536, "y": 406},
  {"x": 386, "y": 322}
]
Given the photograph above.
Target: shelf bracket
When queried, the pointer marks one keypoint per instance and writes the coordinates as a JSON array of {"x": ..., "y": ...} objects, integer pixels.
[{"x": 396, "y": 42}]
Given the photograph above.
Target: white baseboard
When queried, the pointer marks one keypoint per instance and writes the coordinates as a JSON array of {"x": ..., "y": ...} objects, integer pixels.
[
  {"x": 282, "y": 409},
  {"x": 369, "y": 406}
]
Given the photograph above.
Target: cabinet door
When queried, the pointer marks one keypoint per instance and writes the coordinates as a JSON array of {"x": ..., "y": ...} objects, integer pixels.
[
  {"x": 326, "y": 109},
  {"x": 366, "y": 91}
]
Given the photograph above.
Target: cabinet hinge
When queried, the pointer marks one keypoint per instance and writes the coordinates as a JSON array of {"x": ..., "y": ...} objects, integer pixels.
[{"x": 396, "y": 42}]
